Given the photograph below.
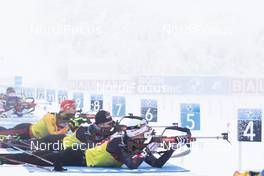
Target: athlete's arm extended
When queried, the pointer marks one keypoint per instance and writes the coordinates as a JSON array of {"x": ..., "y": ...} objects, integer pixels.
[
  {"x": 158, "y": 162},
  {"x": 121, "y": 155},
  {"x": 52, "y": 127}
]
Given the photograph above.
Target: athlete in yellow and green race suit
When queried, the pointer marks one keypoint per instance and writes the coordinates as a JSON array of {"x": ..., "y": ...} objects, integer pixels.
[{"x": 50, "y": 124}]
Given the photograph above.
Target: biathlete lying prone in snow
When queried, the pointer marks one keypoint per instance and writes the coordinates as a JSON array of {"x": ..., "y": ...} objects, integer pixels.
[{"x": 128, "y": 149}]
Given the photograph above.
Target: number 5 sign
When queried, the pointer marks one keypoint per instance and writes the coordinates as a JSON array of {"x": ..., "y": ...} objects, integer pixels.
[
  {"x": 249, "y": 125},
  {"x": 190, "y": 116}
]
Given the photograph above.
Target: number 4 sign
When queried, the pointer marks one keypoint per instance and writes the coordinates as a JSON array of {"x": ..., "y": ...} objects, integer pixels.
[
  {"x": 190, "y": 116},
  {"x": 249, "y": 125}
]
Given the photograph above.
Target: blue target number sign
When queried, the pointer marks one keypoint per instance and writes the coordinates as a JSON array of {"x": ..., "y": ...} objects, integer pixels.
[
  {"x": 62, "y": 95},
  {"x": 96, "y": 103},
  {"x": 190, "y": 116},
  {"x": 19, "y": 92},
  {"x": 40, "y": 94},
  {"x": 118, "y": 106},
  {"x": 28, "y": 92},
  {"x": 249, "y": 125},
  {"x": 78, "y": 97},
  {"x": 50, "y": 95},
  {"x": 149, "y": 109}
]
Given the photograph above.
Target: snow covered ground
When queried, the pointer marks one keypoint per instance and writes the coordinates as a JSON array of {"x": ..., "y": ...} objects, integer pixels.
[{"x": 51, "y": 43}]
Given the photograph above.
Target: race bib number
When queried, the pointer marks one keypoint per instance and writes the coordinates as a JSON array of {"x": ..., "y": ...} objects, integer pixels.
[
  {"x": 78, "y": 97},
  {"x": 118, "y": 106},
  {"x": 249, "y": 125},
  {"x": 149, "y": 110},
  {"x": 190, "y": 116},
  {"x": 96, "y": 103}
]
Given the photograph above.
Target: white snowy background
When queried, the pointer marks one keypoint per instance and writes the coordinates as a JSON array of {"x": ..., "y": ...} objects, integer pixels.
[{"x": 53, "y": 41}]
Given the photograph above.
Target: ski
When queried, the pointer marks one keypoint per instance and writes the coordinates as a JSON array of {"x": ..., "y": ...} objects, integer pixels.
[
  {"x": 24, "y": 163},
  {"x": 27, "y": 152}
]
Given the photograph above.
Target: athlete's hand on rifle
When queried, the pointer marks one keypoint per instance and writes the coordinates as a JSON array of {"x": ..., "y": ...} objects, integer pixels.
[
  {"x": 143, "y": 154},
  {"x": 76, "y": 122},
  {"x": 64, "y": 130}
]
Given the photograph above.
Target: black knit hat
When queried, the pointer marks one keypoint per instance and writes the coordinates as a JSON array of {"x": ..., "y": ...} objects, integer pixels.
[
  {"x": 102, "y": 116},
  {"x": 10, "y": 90}
]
